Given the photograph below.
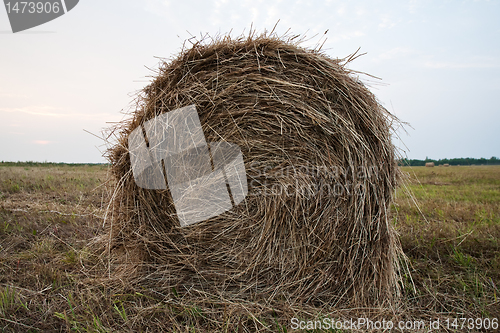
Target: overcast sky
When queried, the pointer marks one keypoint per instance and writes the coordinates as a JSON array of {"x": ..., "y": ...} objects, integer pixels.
[{"x": 439, "y": 62}]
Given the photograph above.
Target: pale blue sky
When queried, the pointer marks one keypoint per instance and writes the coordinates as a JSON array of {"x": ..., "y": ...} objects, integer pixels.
[{"x": 439, "y": 62}]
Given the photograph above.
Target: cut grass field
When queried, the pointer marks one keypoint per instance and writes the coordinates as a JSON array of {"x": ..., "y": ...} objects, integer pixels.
[
  {"x": 50, "y": 280},
  {"x": 452, "y": 239}
]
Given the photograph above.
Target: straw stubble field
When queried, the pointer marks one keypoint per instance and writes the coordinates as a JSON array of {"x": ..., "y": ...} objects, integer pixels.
[{"x": 50, "y": 274}]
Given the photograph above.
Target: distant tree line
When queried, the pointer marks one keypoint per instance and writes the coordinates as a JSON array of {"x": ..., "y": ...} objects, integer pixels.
[
  {"x": 405, "y": 162},
  {"x": 452, "y": 161},
  {"x": 44, "y": 164}
]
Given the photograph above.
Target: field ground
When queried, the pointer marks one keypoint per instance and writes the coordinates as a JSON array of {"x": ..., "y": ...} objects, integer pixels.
[{"x": 449, "y": 230}]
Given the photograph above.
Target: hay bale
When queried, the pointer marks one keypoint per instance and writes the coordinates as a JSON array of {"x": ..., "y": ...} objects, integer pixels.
[
  {"x": 429, "y": 164},
  {"x": 321, "y": 171},
  {"x": 446, "y": 165}
]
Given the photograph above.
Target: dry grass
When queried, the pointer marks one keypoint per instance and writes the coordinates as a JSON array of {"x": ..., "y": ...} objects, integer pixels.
[
  {"x": 48, "y": 280},
  {"x": 452, "y": 239},
  {"x": 48, "y": 216},
  {"x": 301, "y": 120}
]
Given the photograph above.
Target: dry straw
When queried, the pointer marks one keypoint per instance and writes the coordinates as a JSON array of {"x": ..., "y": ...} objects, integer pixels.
[{"x": 315, "y": 227}]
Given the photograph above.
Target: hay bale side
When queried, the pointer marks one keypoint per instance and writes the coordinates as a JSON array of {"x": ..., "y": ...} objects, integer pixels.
[
  {"x": 429, "y": 164},
  {"x": 304, "y": 123}
]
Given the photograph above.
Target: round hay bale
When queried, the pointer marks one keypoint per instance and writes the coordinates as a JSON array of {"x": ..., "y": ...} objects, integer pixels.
[{"x": 321, "y": 171}]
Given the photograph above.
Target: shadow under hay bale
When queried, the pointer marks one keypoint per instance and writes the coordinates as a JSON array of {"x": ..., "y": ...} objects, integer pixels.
[{"x": 321, "y": 172}]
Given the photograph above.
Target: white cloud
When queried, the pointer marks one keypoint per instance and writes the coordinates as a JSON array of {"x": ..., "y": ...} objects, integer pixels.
[
  {"x": 6, "y": 94},
  {"x": 386, "y": 23},
  {"x": 46, "y": 111},
  {"x": 53, "y": 112},
  {"x": 397, "y": 52},
  {"x": 347, "y": 36},
  {"x": 41, "y": 142},
  {"x": 159, "y": 7},
  {"x": 361, "y": 11},
  {"x": 414, "y": 5},
  {"x": 484, "y": 63},
  {"x": 341, "y": 10}
]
